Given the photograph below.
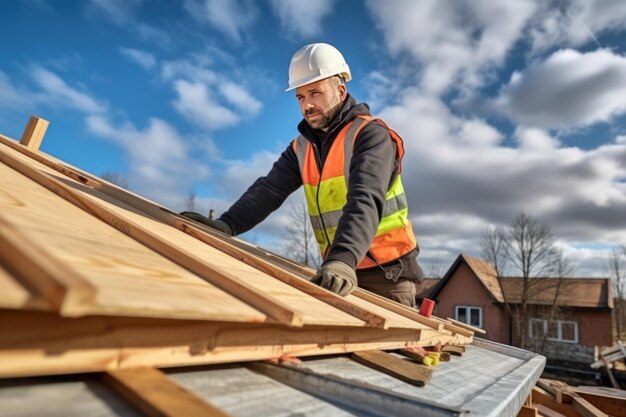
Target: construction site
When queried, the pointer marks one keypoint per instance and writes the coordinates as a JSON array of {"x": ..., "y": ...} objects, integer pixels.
[{"x": 112, "y": 305}]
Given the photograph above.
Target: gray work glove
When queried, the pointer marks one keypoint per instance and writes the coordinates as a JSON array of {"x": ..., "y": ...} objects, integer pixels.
[
  {"x": 337, "y": 277},
  {"x": 220, "y": 225}
]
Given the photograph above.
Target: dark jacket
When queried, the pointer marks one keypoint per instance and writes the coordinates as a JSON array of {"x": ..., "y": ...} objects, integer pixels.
[{"x": 372, "y": 169}]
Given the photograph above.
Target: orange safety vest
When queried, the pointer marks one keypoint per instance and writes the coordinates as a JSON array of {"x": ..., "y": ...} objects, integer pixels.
[{"x": 326, "y": 195}]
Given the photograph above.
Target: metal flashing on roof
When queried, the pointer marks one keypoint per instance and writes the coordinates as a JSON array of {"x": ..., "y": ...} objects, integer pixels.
[{"x": 490, "y": 380}]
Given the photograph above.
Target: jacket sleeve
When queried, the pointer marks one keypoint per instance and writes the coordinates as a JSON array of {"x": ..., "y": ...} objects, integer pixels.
[
  {"x": 265, "y": 195},
  {"x": 371, "y": 169}
]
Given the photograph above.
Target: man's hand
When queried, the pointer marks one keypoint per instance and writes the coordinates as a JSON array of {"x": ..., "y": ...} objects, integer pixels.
[
  {"x": 337, "y": 277},
  {"x": 220, "y": 225}
]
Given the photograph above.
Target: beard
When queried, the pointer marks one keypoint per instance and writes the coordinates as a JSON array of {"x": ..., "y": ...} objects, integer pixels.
[{"x": 324, "y": 118}]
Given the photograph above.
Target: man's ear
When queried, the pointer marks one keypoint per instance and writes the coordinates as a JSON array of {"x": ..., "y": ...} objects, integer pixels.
[{"x": 343, "y": 91}]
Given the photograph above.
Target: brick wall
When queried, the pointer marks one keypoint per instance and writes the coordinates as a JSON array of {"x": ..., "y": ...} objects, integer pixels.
[{"x": 464, "y": 288}]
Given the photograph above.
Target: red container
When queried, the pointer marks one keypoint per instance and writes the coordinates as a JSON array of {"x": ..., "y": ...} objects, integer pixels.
[{"x": 426, "y": 309}]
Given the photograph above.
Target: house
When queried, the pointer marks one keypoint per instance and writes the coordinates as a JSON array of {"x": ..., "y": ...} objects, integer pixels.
[{"x": 471, "y": 292}]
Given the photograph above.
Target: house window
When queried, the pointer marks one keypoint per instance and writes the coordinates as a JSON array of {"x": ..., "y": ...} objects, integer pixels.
[
  {"x": 558, "y": 331},
  {"x": 470, "y": 315}
]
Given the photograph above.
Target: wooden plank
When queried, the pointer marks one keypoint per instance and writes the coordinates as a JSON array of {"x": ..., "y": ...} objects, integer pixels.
[
  {"x": 541, "y": 396},
  {"x": 454, "y": 328},
  {"x": 608, "y": 370},
  {"x": 207, "y": 271},
  {"x": 34, "y": 132},
  {"x": 397, "y": 308},
  {"x": 453, "y": 350},
  {"x": 214, "y": 240},
  {"x": 156, "y": 395},
  {"x": 61, "y": 287},
  {"x": 614, "y": 406},
  {"x": 16, "y": 295},
  {"x": 587, "y": 409},
  {"x": 527, "y": 411},
  {"x": 467, "y": 326},
  {"x": 545, "y": 411},
  {"x": 411, "y": 373},
  {"x": 129, "y": 279},
  {"x": 36, "y": 343}
]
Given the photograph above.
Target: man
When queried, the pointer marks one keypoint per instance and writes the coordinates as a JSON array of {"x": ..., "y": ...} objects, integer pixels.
[{"x": 349, "y": 164}]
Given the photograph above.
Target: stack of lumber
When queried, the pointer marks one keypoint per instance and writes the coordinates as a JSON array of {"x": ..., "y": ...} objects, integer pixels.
[
  {"x": 613, "y": 358},
  {"x": 94, "y": 278},
  {"x": 552, "y": 398}
]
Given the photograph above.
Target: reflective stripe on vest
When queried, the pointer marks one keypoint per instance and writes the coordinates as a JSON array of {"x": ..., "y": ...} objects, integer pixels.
[{"x": 326, "y": 195}]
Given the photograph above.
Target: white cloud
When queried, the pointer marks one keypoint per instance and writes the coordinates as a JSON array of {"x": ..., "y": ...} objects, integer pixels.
[
  {"x": 575, "y": 22},
  {"x": 143, "y": 58},
  {"x": 58, "y": 92},
  {"x": 569, "y": 89},
  {"x": 14, "y": 96},
  {"x": 123, "y": 13},
  {"x": 231, "y": 17},
  {"x": 303, "y": 18},
  {"x": 454, "y": 43},
  {"x": 162, "y": 167},
  {"x": 460, "y": 176},
  {"x": 207, "y": 98},
  {"x": 197, "y": 104},
  {"x": 240, "y": 98},
  {"x": 119, "y": 12}
]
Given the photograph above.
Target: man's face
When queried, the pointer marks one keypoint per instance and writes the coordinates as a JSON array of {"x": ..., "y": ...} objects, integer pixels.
[{"x": 320, "y": 101}]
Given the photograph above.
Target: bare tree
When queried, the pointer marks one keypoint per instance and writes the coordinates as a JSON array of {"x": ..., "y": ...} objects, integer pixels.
[
  {"x": 114, "y": 178},
  {"x": 527, "y": 249},
  {"x": 563, "y": 268},
  {"x": 190, "y": 201},
  {"x": 301, "y": 243},
  {"x": 616, "y": 267},
  {"x": 435, "y": 267}
]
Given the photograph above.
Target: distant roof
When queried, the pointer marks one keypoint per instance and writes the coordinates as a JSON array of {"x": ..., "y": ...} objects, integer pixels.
[
  {"x": 573, "y": 292},
  {"x": 484, "y": 271}
]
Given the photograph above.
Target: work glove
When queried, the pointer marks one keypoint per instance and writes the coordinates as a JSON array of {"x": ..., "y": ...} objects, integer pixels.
[
  {"x": 219, "y": 225},
  {"x": 337, "y": 277}
]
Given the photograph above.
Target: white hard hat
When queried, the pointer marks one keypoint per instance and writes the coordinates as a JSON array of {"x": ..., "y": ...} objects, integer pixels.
[{"x": 315, "y": 62}]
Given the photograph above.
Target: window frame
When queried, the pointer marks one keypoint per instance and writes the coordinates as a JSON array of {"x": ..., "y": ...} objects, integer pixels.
[
  {"x": 559, "y": 325},
  {"x": 468, "y": 314}
]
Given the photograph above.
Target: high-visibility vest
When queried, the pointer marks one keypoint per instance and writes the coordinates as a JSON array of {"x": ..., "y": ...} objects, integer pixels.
[{"x": 326, "y": 195}]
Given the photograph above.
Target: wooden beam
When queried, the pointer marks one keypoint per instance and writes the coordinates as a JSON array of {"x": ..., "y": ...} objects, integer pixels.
[
  {"x": 454, "y": 328},
  {"x": 35, "y": 343},
  {"x": 414, "y": 374},
  {"x": 60, "y": 287},
  {"x": 614, "y": 406},
  {"x": 156, "y": 395},
  {"x": 397, "y": 308},
  {"x": 34, "y": 132},
  {"x": 541, "y": 396},
  {"x": 205, "y": 270},
  {"x": 453, "y": 350},
  {"x": 527, "y": 411},
  {"x": 585, "y": 408},
  {"x": 467, "y": 326}
]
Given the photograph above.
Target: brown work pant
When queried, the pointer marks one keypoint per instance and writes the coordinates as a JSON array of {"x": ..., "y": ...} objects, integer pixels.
[{"x": 403, "y": 290}]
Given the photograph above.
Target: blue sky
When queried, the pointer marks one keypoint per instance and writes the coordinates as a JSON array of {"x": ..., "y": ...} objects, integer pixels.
[{"x": 503, "y": 107}]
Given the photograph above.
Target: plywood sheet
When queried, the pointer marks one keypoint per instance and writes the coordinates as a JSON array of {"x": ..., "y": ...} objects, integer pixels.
[
  {"x": 14, "y": 294},
  {"x": 130, "y": 279},
  {"x": 317, "y": 312}
]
